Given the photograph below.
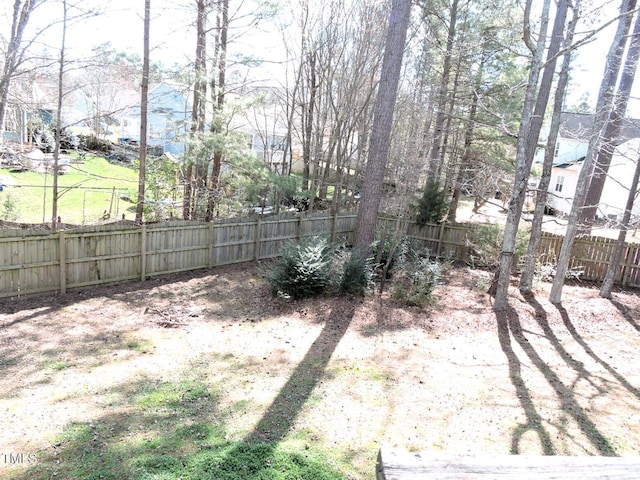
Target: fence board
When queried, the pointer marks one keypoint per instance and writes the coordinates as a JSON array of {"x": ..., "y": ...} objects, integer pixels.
[{"x": 29, "y": 265}]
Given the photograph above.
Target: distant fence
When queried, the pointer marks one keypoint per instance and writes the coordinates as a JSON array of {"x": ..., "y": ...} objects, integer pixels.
[
  {"x": 591, "y": 255},
  {"x": 38, "y": 261}
]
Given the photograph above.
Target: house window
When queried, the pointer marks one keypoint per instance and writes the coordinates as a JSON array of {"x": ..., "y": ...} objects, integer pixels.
[
  {"x": 559, "y": 184},
  {"x": 557, "y": 150}
]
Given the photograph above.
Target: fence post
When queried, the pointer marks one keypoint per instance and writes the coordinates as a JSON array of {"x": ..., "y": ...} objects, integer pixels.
[
  {"x": 143, "y": 253},
  {"x": 440, "y": 238},
  {"x": 63, "y": 263},
  {"x": 334, "y": 221},
  {"x": 630, "y": 254},
  {"x": 302, "y": 214},
  {"x": 210, "y": 245},
  {"x": 256, "y": 248}
]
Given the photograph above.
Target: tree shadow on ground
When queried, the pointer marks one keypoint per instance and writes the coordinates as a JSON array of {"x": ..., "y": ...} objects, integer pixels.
[
  {"x": 509, "y": 327},
  {"x": 37, "y": 358},
  {"x": 589, "y": 351},
  {"x": 51, "y": 302},
  {"x": 178, "y": 430},
  {"x": 534, "y": 419},
  {"x": 626, "y": 313},
  {"x": 281, "y": 415}
]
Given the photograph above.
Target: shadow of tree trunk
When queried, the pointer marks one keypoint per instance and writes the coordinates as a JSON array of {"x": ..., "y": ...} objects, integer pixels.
[
  {"x": 568, "y": 402},
  {"x": 589, "y": 351},
  {"x": 534, "y": 420},
  {"x": 625, "y": 311},
  {"x": 281, "y": 415}
]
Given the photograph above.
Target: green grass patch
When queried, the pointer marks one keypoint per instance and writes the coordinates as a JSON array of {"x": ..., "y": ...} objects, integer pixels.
[
  {"x": 171, "y": 431},
  {"x": 86, "y": 191},
  {"x": 139, "y": 345},
  {"x": 55, "y": 364}
]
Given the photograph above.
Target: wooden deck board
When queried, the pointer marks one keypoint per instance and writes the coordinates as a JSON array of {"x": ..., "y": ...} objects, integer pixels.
[{"x": 400, "y": 465}]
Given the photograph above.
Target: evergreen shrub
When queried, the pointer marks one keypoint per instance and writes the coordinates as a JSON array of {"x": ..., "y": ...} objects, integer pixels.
[
  {"x": 357, "y": 275},
  {"x": 303, "y": 269}
]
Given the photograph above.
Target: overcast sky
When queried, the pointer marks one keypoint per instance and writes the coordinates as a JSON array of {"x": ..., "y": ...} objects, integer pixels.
[{"x": 173, "y": 37}]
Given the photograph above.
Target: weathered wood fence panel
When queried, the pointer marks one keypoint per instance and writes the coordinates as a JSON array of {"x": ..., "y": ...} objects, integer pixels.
[
  {"x": 38, "y": 261},
  {"x": 275, "y": 233},
  {"x": 174, "y": 248},
  {"x": 443, "y": 240},
  {"x": 591, "y": 255},
  {"x": 29, "y": 264},
  {"x": 93, "y": 258},
  {"x": 630, "y": 274},
  {"x": 232, "y": 242}
]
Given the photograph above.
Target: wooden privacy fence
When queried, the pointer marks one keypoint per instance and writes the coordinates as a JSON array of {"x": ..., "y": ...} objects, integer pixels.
[
  {"x": 39, "y": 261},
  {"x": 591, "y": 256}
]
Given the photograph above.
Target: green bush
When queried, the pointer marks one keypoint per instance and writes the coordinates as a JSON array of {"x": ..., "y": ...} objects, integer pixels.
[
  {"x": 392, "y": 251},
  {"x": 357, "y": 275},
  {"x": 419, "y": 282},
  {"x": 486, "y": 245},
  {"x": 303, "y": 269},
  {"x": 9, "y": 208}
]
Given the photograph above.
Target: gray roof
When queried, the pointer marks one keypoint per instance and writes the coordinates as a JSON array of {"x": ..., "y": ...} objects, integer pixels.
[{"x": 578, "y": 126}]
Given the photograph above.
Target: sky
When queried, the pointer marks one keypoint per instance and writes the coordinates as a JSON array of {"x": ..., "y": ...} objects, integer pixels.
[
  {"x": 173, "y": 36},
  {"x": 589, "y": 60},
  {"x": 121, "y": 23}
]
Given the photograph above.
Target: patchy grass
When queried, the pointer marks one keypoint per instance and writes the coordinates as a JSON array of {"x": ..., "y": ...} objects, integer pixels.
[{"x": 171, "y": 431}]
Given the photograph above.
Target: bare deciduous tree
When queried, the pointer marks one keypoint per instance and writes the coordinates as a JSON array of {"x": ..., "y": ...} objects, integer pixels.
[
  {"x": 144, "y": 93},
  {"x": 15, "y": 50},
  {"x": 529, "y": 267},
  {"x": 607, "y": 144},
  {"x": 603, "y": 110},
  {"x": 533, "y": 115}
]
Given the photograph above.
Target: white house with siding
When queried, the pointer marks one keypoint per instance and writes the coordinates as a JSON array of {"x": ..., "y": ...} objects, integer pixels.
[
  {"x": 570, "y": 152},
  {"x": 564, "y": 178}
]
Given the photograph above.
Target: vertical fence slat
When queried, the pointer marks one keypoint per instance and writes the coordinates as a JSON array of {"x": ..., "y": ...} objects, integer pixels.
[
  {"x": 63, "y": 263},
  {"x": 143, "y": 253}
]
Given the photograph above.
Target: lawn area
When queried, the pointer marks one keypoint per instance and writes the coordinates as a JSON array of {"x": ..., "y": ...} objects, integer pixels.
[
  {"x": 87, "y": 191},
  {"x": 205, "y": 376}
]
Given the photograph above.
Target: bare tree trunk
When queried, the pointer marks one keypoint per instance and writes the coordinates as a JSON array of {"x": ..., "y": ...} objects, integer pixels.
[
  {"x": 528, "y": 271},
  {"x": 614, "y": 263},
  {"x": 603, "y": 109},
  {"x": 143, "y": 113},
  {"x": 468, "y": 141},
  {"x": 438, "y": 129},
  {"x": 221, "y": 64},
  {"x": 198, "y": 110},
  {"x": 611, "y": 131},
  {"x": 527, "y": 140},
  {"x": 382, "y": 122},
  {"x": 13, "y": 55},
  {"x": 56, "y": 148},
  {"x": 307, "y": 121}
]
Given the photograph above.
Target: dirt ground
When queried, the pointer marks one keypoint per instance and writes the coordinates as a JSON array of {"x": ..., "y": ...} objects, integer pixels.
[{"x": 348, "y": 374}]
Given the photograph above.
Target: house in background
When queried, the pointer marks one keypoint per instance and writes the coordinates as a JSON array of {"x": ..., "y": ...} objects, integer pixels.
[
  {"x": 564, "y": 178},
  {"x": 168, "y": 115},
  {"x": 263, "y": 122},
  {"x": 570, "y": 152}
]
